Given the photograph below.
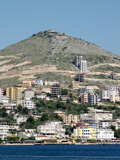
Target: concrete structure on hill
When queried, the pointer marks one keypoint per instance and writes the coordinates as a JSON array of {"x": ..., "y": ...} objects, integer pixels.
[
  {"x": 93, "y": 99},
  {"x": 79, "y": 77},
  {"x": 75, "y": 84},
  {"x": 55, "y": 90},
  {"x": 84, "y": 98},
  {"x": 113, "y": 76},
  {"x": 80, "y": 63}
]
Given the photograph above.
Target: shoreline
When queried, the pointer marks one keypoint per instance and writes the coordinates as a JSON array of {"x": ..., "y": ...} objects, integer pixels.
[{"x": 106, "y": 143}]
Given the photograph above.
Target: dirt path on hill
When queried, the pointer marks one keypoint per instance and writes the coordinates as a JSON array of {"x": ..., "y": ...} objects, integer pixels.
[{"x": 101, "y": 64}]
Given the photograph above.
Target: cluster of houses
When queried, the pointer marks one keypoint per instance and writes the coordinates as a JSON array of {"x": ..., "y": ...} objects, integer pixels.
[{"x": 94, "y": 125}]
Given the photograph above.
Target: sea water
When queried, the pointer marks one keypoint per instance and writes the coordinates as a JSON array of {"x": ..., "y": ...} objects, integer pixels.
[{"x": 60, "y": 152}]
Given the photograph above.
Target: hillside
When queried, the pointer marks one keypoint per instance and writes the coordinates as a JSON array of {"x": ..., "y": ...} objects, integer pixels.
[{"x": 52, "y": 52}]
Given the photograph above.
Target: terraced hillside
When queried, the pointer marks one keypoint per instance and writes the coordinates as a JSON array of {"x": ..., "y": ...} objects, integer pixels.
[{"x": 52, "y": 52}]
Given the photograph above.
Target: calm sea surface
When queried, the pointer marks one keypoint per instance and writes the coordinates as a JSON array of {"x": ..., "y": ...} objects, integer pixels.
[{"x": 60, "y": 152}]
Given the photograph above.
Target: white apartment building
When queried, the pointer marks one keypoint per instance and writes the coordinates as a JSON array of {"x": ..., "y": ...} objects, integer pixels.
[
  {"x": 29, "y": 104},
  {"x": 28, "y": 93},
  {"x": 52, "y": 129},
  {"x": 111, "y": 93},
  {"x": 4, "y": 130},
  {"x": 1, "y": 91},
  {"x": 38, "y": 82},
  {"x": 83, "y": 66},
  {"x": 104, "y": 134},
  {"x": 4, "y": 99},
  {"x": 96, "y": 115},
  {"x": 107, "y": 123},
  {"x": 104, "y": 95},
  {"x": 20, "y": 118},
  {"x": 80, "y": 63}
]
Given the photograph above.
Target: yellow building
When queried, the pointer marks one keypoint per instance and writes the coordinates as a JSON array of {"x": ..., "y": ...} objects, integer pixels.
[
  {"x": 75, "y": 84},
  {"x": 84, "y": 132},
  {"x": 14, "y": 93}
]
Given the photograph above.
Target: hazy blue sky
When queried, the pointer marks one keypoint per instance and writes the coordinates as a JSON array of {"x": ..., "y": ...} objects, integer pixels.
[{"x": 96, "y": 21}]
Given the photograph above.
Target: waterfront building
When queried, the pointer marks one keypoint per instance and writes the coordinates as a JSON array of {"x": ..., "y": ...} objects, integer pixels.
[
  {"x": 54, "y": 129},
  {"x": 84, "y": 132},
  {"x": 104, "y": 134}
]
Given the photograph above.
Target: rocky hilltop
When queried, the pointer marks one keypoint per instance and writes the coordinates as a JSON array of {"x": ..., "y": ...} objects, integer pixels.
[{"x": 51, "y": 55}]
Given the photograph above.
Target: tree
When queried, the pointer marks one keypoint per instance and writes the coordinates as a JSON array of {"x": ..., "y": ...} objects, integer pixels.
[
  {"x": 25, "y": 111},
  {"x": 1, "y": 141},
  {"x": 30, "y": 123},
  {"x": 44, "y": 117},
  {"x": 64, "y": 92},
  {"x": 19, "y": 108}
]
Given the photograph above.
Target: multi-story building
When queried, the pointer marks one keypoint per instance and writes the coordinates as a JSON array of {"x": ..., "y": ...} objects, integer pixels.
[
  {"x": 20, "y": 118},
  {"x": 51, "y": 128},
  {"x": 104, "y": 95},
  {"x": 27, "y": 103},
  {"x": 104, "y": 134},
  {"x": 4, "y": 130},
  {"x": 111, "y": 93},
  {"x": 68, "y": 119},
  {"x": 1, "y": 91},
  {"x": 93, "y": 99},
  {"x": 4, "y": 99},
  {"x": 84, "y": 98},
  {"x": 79, "y": 77},
  {"x": 96, "y": 115},
  {"x": 14, "y": 93},
  {"x": 80, "y": 63},
  {"x": 90, "y": 90},
  {"x": 84, "y": 132},
  {"x": 38, "y": 82},
  {"x": 28, "y": 93},
  {"x": 55, "y": 90},
  {"x": 107, "y": 123},
  {"x": 28, "y": 83},
  {"x": 75, "y": 84},
  {"x": 78, "y": 59}
]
